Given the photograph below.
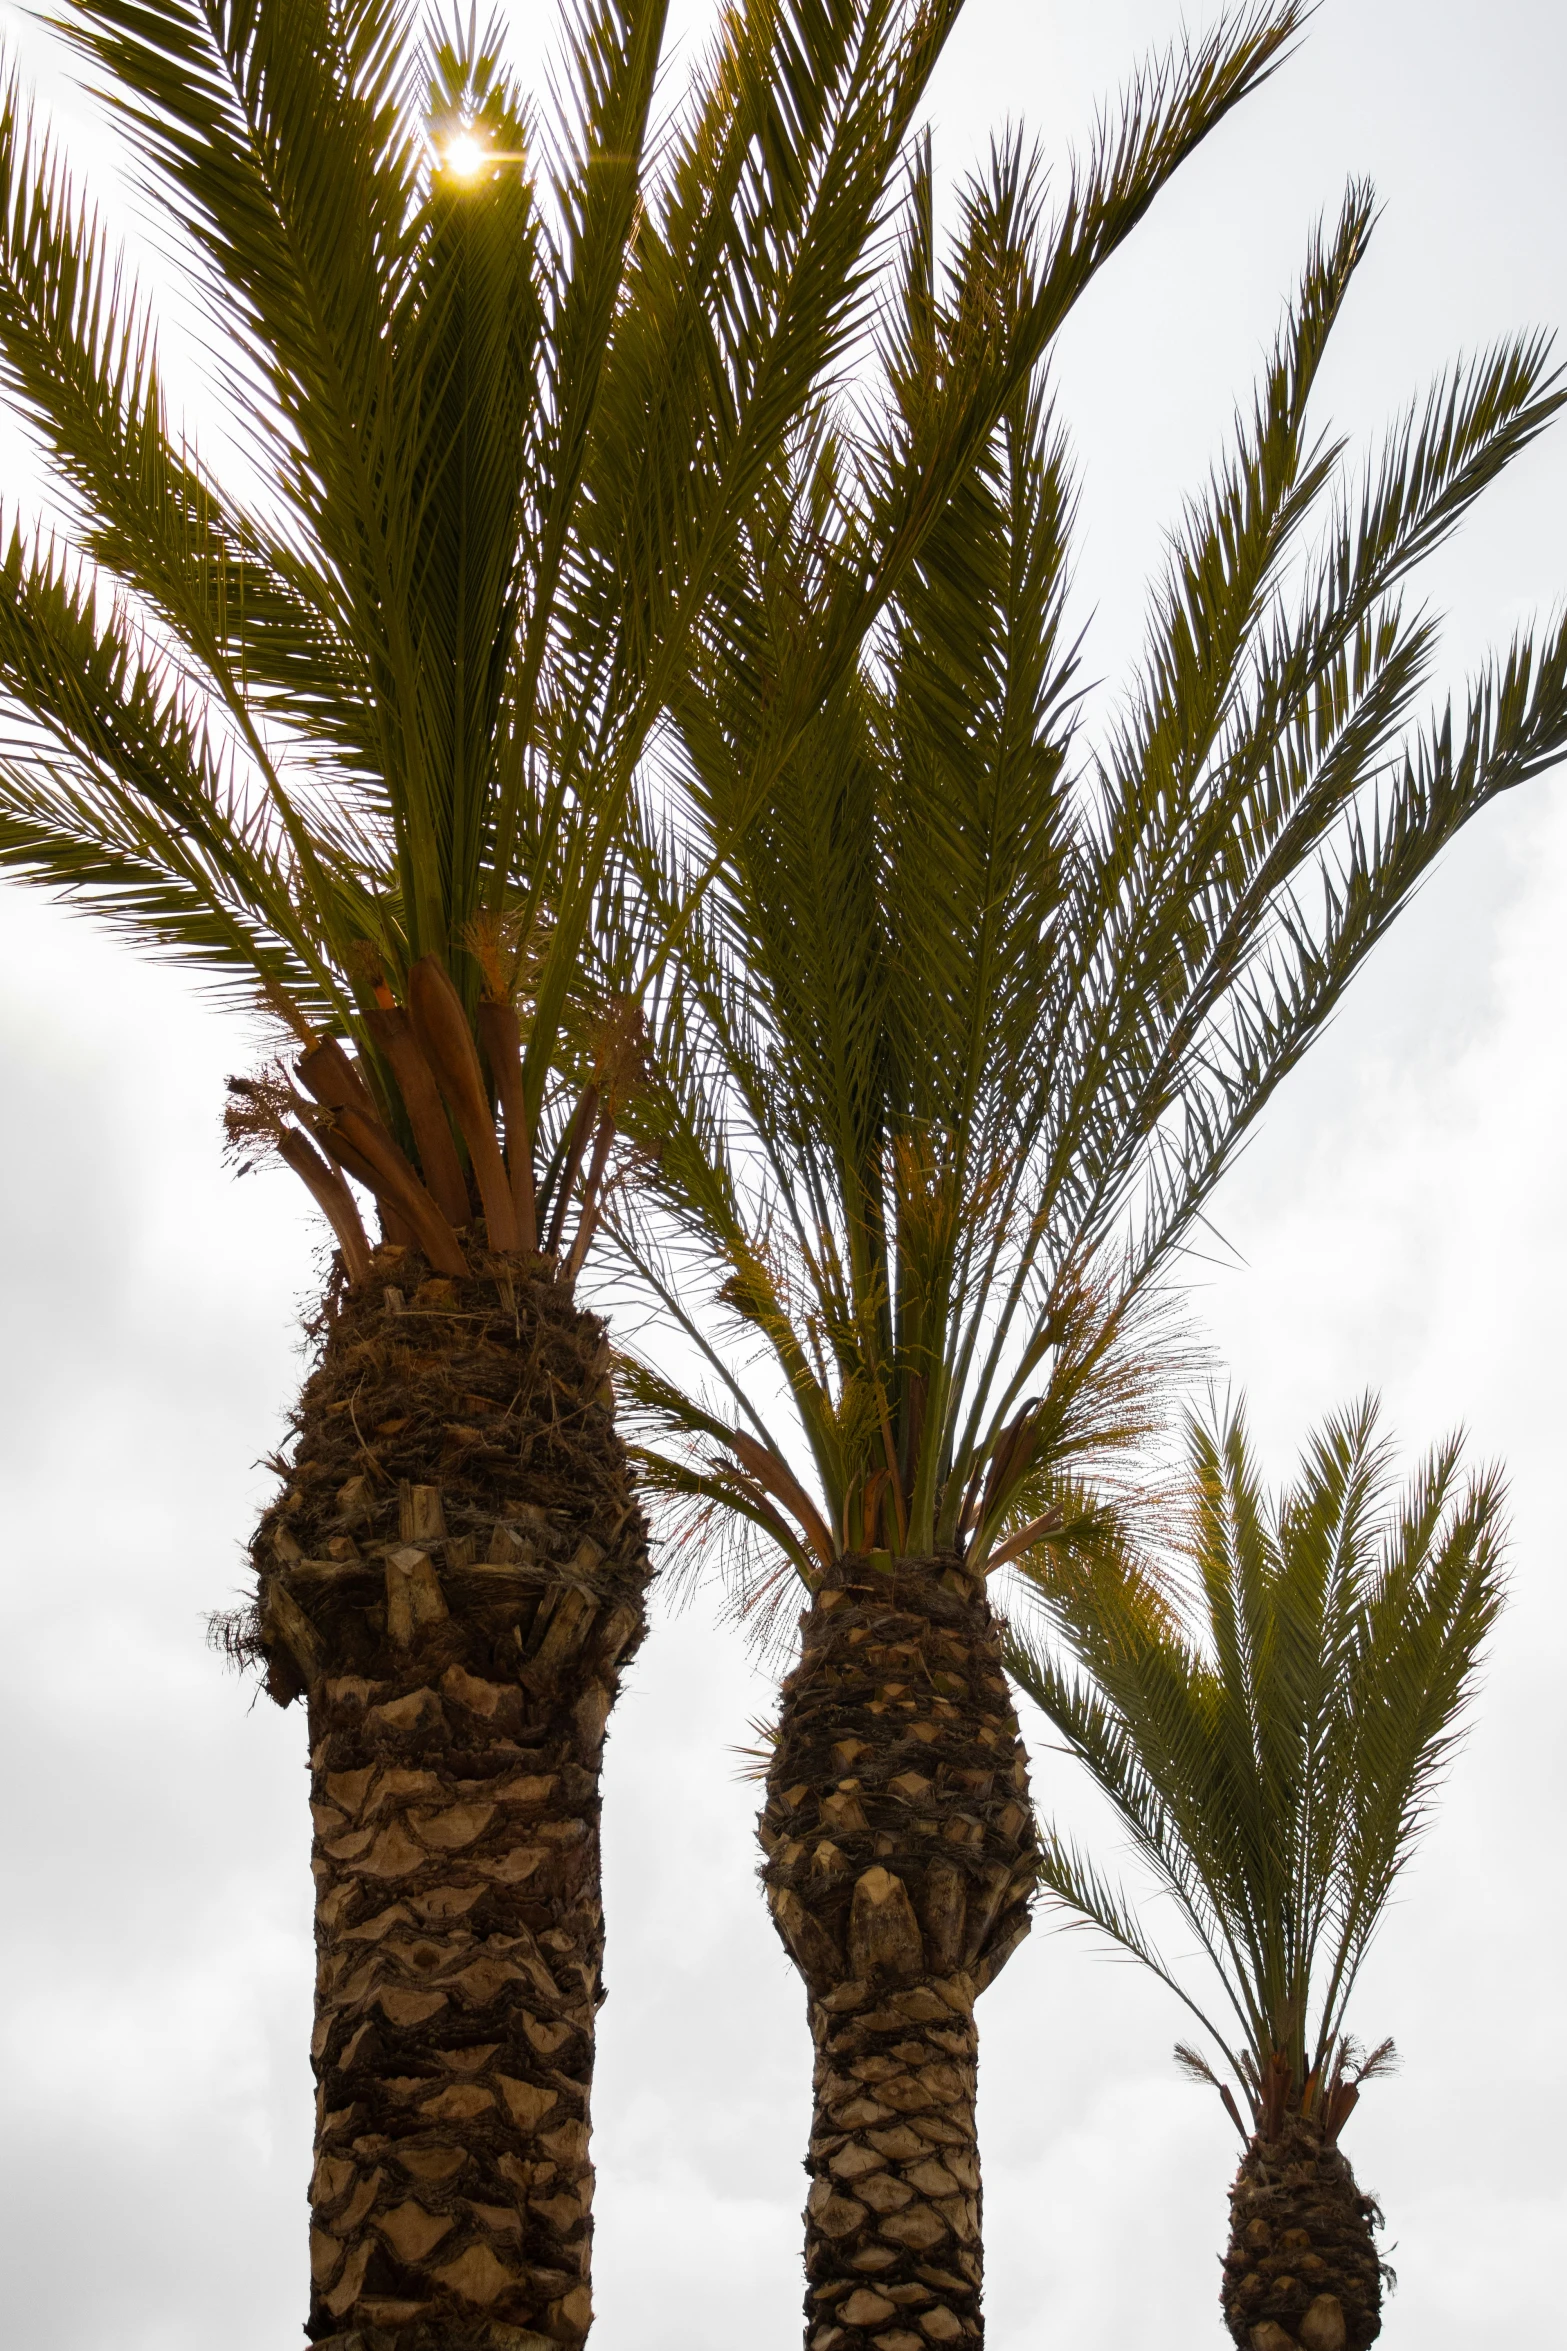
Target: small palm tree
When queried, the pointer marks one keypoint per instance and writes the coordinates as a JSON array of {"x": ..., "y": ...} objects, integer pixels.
[
  {"x": 351, "y": 723},
  {"x": 1275, "y": 1762},
  {"x": 972, "y": 1021}
]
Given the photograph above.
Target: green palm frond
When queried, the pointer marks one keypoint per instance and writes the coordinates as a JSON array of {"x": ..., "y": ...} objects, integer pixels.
[
  {"x": 967, "y": 1012},
  {"x": 956, "y": 356},
  {"x": 1275, "y": 1755},
  {"x": 1070, "y": 1882},
  {"x": 282, "y": 142},
  {"x": 377, "y": 691},
  {"x": 139, "y": 807}
]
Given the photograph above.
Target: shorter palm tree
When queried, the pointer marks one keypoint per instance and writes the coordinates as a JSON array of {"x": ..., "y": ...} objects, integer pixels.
[{"x": 1276, "y": 1762}]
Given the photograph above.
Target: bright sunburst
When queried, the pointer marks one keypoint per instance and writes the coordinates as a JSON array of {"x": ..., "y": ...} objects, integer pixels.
[{"x": 466, "y": 156}]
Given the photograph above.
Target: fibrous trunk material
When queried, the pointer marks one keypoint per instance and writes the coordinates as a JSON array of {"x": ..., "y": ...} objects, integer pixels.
[
  {"x": 1302, "y": 2265},
  {"x": 454, "y": 1577},
  {"x": 900, "y": 1857}
]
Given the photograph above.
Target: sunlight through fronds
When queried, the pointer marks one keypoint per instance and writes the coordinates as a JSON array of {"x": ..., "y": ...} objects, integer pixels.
[{"x": 504, "y": 379}]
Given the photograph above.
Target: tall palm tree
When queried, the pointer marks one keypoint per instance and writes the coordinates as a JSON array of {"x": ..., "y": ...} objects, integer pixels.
[
  {"x": 972, "y": 1020},
  {"x": 350, "y": 720},
  {"x": 1274, "y": 1756}
]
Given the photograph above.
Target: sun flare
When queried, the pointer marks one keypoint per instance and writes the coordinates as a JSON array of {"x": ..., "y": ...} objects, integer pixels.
[{"x": 466, "y": 156}]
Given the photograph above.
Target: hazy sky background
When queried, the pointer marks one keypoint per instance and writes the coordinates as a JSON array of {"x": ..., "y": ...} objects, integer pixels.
[{"x": 1397, "y": 1222}]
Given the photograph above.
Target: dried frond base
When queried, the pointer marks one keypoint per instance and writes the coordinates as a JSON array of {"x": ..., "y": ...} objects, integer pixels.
[
  {"x": 455, "y": 1576},
  {"x": 900, "y": 1858},
  {"x": 1302, "y": 2266}
]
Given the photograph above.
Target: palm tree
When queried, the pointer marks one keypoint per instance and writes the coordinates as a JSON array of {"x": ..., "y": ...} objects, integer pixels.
[
  {"x": 970, "y": 1023},
  {"x": 1275, "y": 1762},
  {"x": 351, "y": 721}
]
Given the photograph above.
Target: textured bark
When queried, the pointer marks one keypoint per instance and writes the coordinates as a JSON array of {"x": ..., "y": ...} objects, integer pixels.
[
  {"x": 455, "y": 1577},
  {"x": 1302, "y": 2264},
  {"x": 900, "y": 1857}
]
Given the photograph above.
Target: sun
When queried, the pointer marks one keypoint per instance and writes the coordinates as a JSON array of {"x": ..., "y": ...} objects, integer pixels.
[{"x": 466, "y": 156}]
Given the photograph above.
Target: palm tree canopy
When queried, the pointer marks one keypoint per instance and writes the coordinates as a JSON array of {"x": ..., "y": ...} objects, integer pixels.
[
  {"x": 979, "y": 1010},
  {"x": 1275, "y": 1751},
  {"x": 372, "y": 696}
]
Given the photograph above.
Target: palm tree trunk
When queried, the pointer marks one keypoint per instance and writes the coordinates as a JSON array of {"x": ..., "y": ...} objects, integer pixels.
[
  {"x": 900, "y": 1848},
  {"x": 1302, "y": 2266},
  {"x": 455, "y": 1577}
]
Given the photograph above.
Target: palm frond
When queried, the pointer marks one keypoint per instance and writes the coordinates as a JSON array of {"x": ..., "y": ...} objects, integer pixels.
[
  {"x": 387, "y": 713},
  {"x": 1276, "y": 1760},
  {"x": 975, "y": 1012},
  {"x": 116, "y": 791}
]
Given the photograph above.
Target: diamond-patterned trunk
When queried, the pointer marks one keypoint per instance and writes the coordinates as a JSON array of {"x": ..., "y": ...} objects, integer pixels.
[
  {"x": 1302, "y": 2266},
  {"x": 900, "y": 1857},
  {"x": 455, "y": 1576}
]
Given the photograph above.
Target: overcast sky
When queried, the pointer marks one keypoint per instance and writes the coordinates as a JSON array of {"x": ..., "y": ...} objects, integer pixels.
[{"x": 1397, "y": 1223}]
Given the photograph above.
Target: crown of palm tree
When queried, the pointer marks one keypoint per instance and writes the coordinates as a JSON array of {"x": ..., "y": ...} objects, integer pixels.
[
  {"x": 977, "y": 1011},
  {"x": 358, "y": 742},
  {"x": 1276, "y": 1761}
]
